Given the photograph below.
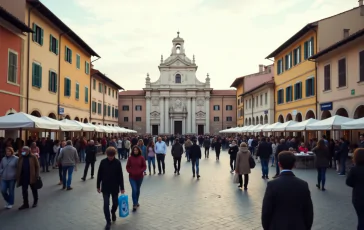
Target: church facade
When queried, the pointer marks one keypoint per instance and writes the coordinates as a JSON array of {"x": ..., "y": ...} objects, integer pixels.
[{"x": 177, "y": 102}]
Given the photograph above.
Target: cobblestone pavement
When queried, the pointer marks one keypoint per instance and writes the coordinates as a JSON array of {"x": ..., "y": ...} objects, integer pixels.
[{"x": 177, "y": 202}]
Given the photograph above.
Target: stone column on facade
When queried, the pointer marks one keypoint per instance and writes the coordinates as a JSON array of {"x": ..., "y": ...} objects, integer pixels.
[
  {"x": 184, "y": 125},
  {"x": 166, "y": 115},
  {"x": 171, "y": 125},
  {"x": 148, "y": 115},
  {"x": 161, "y": 115},
  {"x": 193, "y": 111},
  {"x": 207, "y": 112},
  {"x": 189, "y": 115}
]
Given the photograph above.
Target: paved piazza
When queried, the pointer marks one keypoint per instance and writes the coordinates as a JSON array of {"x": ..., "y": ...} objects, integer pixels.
[{"x": 176, "y": 202}]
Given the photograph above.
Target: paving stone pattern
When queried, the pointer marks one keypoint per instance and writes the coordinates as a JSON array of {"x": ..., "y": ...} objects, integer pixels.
[{"x": 176, "y": 202}]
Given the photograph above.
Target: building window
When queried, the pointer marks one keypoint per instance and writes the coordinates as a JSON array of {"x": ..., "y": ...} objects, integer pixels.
[
  {"x": 250, "y": 103},
  {"x": 68, "y": 55},
  {"x": 229, "y": 119},
  {"x": 53, "y": 44},
  {"x": 126, "y": 119},
  {"x": 280, "y": 66},
  {"x": 108, "y": 110},
  {"x": 297, "y": 55},
  {"x": 78, "y": 61},
  {"x": 257, "y": 101},
  {"x": 310, "y": 87},
  {"x": 229, "y": 107},
  {"x": 87, "y": 67},
  {"x": 178, "y": 78},
  {"x": 253, "y": 102},
  {"x": 361, "y": 66},
  {"x": 266, "y": 98},
  {"x": 138, "y": 108},
  {"x": 216, "y": 107},
  {"x": 116, "y": 112},
  {"x": 12, "y": 67},
  {"x": 67, "y": 87},
  {"x": 327, "y": 77},
  {"x": 113, "y": 112},
  {"x": 105, "y": 110},
  {"x": 261, "y": 99},
  {"x": 38, "y": 34},
  {"x": 125, "y": 107},
  {"x": 77, "y": 91},
  {"x": 298, "y": 91},
  {"x": 280, "y": 96},
  {"x": 342, "y": 72},
  {"x": 109, "y": 91},
  {"x": 100, "y": 87},
  {"x": 138, "y": 119},
  {"x": 289, "y": 94},
  {"x": 288, "y": 61},
  {"x": 94, "y": 84},
  {"x": 308, "y": 48},
  {"x": 86, "y": 94},
  {"x": 93, "y": 107},
  {"x": 52, "y": 82},
  {"x": 113, "y": 93},
  {"x": 37, "y": 75},
  {"x": 216, "y": 119},
  {"x": 99, "y": 108},
  {"x": 105, "y": 90}
]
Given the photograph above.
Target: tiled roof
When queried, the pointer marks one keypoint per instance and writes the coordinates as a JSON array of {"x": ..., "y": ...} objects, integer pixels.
[
  {"x": 14, "y": 21},
  {"x": 104, "y": 77},
  {"x": 132, "y": 93},
  {"x": 270, "y": 82},
  {"x": 222, "y": 92},
  {"x": 239, "y": 79}
]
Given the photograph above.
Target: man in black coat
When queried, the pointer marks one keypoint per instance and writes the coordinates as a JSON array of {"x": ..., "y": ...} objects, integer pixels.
[
  {"x": 264, "y": 152},
  {"x": 110, "y": 181},
  {"x": 282, "y": 146},
  {"x": 177, "y": 151},
  {"x": 218, "y": 146},
  {"x": 287, "y": 203},
  {"x": 195, "y": 155},
  {"x": 91, "y": 151}
]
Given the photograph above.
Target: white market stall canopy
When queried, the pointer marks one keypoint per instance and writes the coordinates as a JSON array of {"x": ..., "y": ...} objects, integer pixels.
[
  {"x": 260, "y": 129},
  {"x": 82, "y": 126},
  {"x": 270, "y": 127},
  {"x": 331, "y": 123},
  {"x": 355, "y": 124},
  {"x": 231, "y": 130},
  {"x": 25, "y": 121},
  {"x": 62, "y": 125},
  {"x": 244, "y": 128},
  {"x": 97, "y": 129},
  {"x": 251, "y": 129},
  {"x": 282, "y": 127},
  {"x": 301, "y": 126}
]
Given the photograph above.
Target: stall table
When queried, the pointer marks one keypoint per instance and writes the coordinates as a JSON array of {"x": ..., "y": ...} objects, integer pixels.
[{"x": 305, "y": 160}]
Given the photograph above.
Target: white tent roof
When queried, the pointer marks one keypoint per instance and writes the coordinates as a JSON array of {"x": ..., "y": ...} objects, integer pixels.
[
  {"x": 271, "y": 126},
  {"x": 82, "y": 126},
  {"x": 259, "y": 129},
  {"x": 243, "y": 129},
  {"x": 62, "y": 125},
  {"x": 331, "y": 123},
  {"x": 231, "y": 130},
  {"x": 97, "y": 129},
  {"x": 301, "y": 125},
  {"x": 252, "y": 128},
  {"x": 355, "y": 124},
  {"x": 25, "y": 121},
  {"x": 282, "y": 127},
  {"x": 105, "y": 129}
]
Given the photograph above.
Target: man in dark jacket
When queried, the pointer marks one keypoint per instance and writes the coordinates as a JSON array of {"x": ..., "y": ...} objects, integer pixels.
[
  {"x": 177, "y": 151},
  {"x": 282, "y": 146},
  {"x": 206, "y": 145},
  {"x": 195, "y": 155},
  {"x": 361, "y": 144},
  {"x": 287, "y": 195},
  {"x": 218, "y": 149},
  {"x": 264, "y": 152},
  {"x": 91, "y": 151},
  {"x": 343, "y": 153},
  {"x": 110, "y": 181}
]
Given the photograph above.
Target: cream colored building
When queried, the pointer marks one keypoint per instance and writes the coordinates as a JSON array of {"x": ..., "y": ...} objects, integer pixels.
[{"x": 104, "y": 99}]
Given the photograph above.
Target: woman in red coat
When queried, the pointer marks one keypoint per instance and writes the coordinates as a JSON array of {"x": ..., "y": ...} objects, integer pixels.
[{"x": 136, "y": 166}]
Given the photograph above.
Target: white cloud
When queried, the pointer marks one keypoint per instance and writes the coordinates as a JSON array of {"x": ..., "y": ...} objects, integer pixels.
[{"x": 230, "y": 38}]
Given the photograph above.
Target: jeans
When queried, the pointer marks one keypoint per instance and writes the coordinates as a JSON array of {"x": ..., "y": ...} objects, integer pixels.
[
  {"x": 120, "y": 153},
  {"x": 151, "y": 160},
  {"x": 188, "y": 154},
  {"x": 265, "y": 168},
  {"x": 177, "y": 164},
  {"x": 103, "y": 147},
  {"x": 86, "y": 169},
  {"x": 44, "y": 161},
  {"x": 196, "y": 164},
  {"x": 207, "y": 152},
  {"x": 246, "y": 180},
  {"x": 24, "y": 189},
  {"x": 135, "y": 189},
  {"x": 343, "y": 165},
  {"x": 218, "y": 154},
  {"x": 7, "y": 189},
  {"x": 51, "y": 159},
  {"x": 277, "y": 167},
  {"x": 232, "y": 163},
  {"x": 321, "y": 176},
  {"x": 60, "y": 172},
  {"x": 70, "y": 172},
  {"x": 161, "y": 165},
  {"x": 82, "y": 155},
  {"x": 114, "y": 206},
  {"x": 272, "y": 159}
]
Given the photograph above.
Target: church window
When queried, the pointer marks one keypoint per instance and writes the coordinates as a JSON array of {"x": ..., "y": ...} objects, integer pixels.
[
  {"x": 178, "y": 48},
  {"x": 178, "y": 78}
]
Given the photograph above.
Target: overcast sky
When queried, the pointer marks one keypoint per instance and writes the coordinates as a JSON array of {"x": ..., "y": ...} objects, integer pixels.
[{"x": 229, "y": 38}]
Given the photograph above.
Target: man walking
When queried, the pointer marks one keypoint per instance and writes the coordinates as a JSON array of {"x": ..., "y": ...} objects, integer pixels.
[
  {"x": 160, "y": 149},
  {"x": 177, "y": 151},
  {"x": 218, "y": 149},
  {"x": 91, "y": 151},
  {"x": 68, "y": 158},
  {"x": 110, "y": 181},
  {"x": 264, "y": 152},
  {"x": 207, "y": 145},
  {"x": 195, "y": 155},
  {"x": 188, "y": 145},
  {"x": 280, "y": 148},
  {"x": 287, "y": 195}
]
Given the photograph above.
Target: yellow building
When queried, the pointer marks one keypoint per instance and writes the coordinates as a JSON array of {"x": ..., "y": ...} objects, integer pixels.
[
  {"x": 295, "y": 76},
  {"x": 239, "y": 85}
]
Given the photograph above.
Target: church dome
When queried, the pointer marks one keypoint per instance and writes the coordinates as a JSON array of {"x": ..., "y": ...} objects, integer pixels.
[{"x": 178, "y": 38}]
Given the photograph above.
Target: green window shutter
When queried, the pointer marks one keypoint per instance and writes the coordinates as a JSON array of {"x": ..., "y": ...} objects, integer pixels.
[
  {"x": 33, "y": 74},
  {"x": 291, "y": 93},
  {"x": 56, "y": 83},
  {"x": 86, "y": 94},
  {"x": 78, "y": 60},
  {"x": 313, "y": 86},
  {"x": 305, "y": 50},
  {"x": 41, "y": 36},
  {"x": 34, "y": 37},
  {"x": 307, "y": 88},
  {"x": 312, "y": 46},
  {"x": 69, "y": 86},
  {"x": 50, "y": 42},
  {"x": 65, "y": 53},
  {"x": 40, "y": 76},
  {"x": 50, "y": 80},
  {"x": 65, "y": 87},
  {"x": 300, "y": 90},
  {"x": 286, "y": 94},
  {"x": 57, "y": 46},
  {"x": 104, "y": 110},
  {"x": 295, "y": 91},
  {"x": 70, "y": 56}
]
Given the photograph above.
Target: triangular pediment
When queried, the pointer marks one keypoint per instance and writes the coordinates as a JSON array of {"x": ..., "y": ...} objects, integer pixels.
[
  {"x": 200, "y": 115},
  {"x": 154, "y": 114},
  {"x": 176, "y": 62}
]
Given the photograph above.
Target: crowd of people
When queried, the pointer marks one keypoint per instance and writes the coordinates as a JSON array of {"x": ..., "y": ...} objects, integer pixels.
[{"x": 21, "y": 165}]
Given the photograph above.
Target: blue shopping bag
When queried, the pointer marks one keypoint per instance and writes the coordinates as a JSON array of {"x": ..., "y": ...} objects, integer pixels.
[{"x": 123, "y": 206}]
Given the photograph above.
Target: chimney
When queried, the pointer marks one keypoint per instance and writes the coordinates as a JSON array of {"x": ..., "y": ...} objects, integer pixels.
[
  {"x": 261, "y": 68},
  {"x": 361, "y": 6}
]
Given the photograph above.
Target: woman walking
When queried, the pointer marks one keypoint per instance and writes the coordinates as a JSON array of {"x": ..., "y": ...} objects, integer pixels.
[
  {"x": 151, "y": 157},
  {"x": 274, "y": 149},
  {"x": 144, "y": 151},
  {"x": 233, "y": 150},
  {"x": 8, "y": 175},
  {"x": 58, "y": 163},
  {"x": 355, "y": 180},
  {"x": 135, "y": 167},
  {"x": 34, "y": 149},
  {"x": 321, "y": 163},
  {"x": 242, "y": 165}
]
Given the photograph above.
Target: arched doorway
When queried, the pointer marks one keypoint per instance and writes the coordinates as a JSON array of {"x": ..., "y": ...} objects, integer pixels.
[
  {"x": 250, "y": 121},
  {"x": 281, "y": 119},
  {"x": 253, "y": 121},
  {"x": 246, "y": 121},
  {"x": 257, "y": 120},
  {"x": 309, "y": 115},
  {"x": 68, "y": 117},
  {"x": 359, "y": 112},
  {"x": 342, "y": 112},
  {"x": 85, "y": 120},
  {"x": 261, "y": 120},
  {"x": 298, "y": 117},
  {"x": 35, "y": 113},
  {"x": 266, "y": 119},
  {"x": 289, "y": 117},
  {"x": 52, "y": 115},
  {"x": 325, "y": 114},
  {"x": 77, "y": 119}
]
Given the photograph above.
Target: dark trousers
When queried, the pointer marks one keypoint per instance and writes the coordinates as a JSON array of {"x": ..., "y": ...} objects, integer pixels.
[
  {"x": 44, "y": 161},
  {"x": 207, "y": 152},
  {"x": 160, "y": 161},
  {"x": 232, "y": 164},
  {"x": 177, "y": 163},
  {"x": 217, "y": 154},
  {"x": 86, "y": 169},
  {"x": 60, "y": 172},
  {"x": 321, "y": 176},
  {"x": 246, "y": 180},
  {"x": 343, "y": 165},
  {"x": 360, "y": 214},
  {"x": 24, "y": 189},
  {"x": 114, "y": 207},
  {"x": 277, "y": 166}
]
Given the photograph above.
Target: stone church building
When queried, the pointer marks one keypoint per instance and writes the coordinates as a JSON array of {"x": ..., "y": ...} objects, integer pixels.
[{"x": 177, "y": 102}]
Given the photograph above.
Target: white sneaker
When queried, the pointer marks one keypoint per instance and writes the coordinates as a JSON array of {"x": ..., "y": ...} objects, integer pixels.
[
  {"x": 6, "y": 205},
  {"x": 9, "y": 206}
]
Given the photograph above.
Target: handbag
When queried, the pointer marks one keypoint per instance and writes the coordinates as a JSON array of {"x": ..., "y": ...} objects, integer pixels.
[
  {"x": 123, "y": 206},
  {"x": 236, "y": 178},
  {"x": 39, "y": 183},
  {"x": 251, "y": 162}
]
